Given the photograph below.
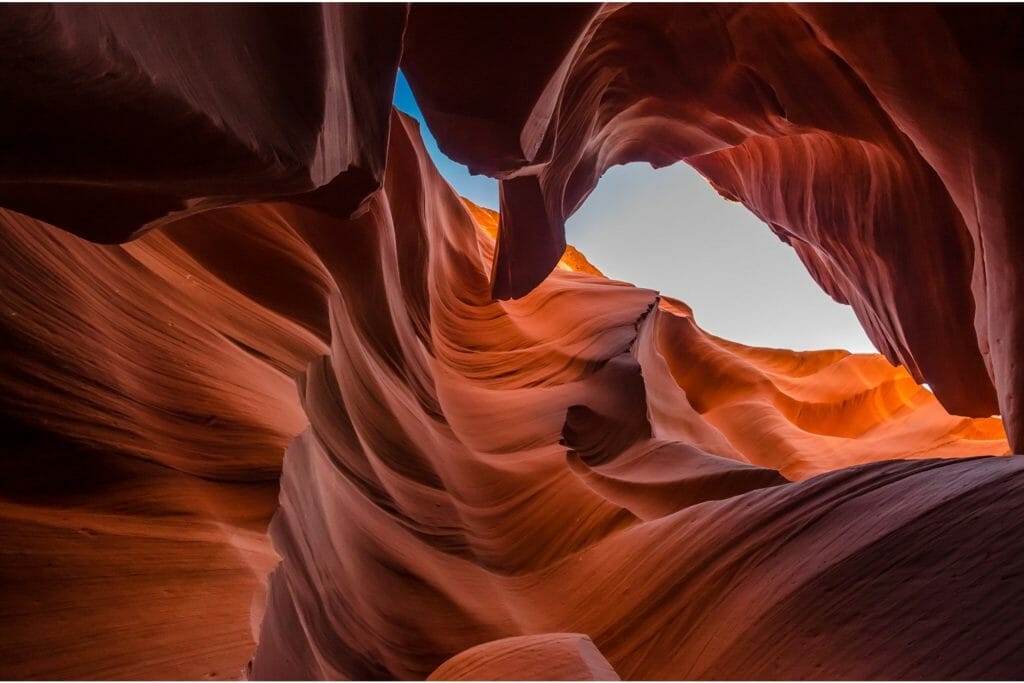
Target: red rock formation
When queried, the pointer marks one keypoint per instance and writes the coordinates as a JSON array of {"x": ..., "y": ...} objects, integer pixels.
[
  {"x": 156, "y": 113},
  {"x": 150, "y": 402},
  {"x": 832, "y": 125},
  {"x": 554, "y": 656},
  {"x": 579, "y": 482},
  {"x": 432, "y": 476}
]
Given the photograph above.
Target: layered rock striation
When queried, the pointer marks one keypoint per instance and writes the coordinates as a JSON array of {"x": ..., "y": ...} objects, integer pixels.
[{"x": 571, "y": 480}]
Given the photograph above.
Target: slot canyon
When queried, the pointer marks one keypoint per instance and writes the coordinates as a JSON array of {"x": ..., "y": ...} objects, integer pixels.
[{"x": 279, "y": 403}]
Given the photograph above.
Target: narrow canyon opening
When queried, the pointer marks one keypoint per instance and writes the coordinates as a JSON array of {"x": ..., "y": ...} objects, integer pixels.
[{"x": 669, "y": 230}]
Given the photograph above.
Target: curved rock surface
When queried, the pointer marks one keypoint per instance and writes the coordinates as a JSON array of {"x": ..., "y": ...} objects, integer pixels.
[
  {"x": 156, "y": 113},
  {"x": 434, "y": 475},
  {"x": 148, "y": 404},
  {"x": 548, "y": 657},
  {"x": 573, "y": 482},
  {"x": 894, "y": 175}
]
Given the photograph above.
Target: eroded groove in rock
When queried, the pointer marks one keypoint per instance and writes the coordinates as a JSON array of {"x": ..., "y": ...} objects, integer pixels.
[
  {"x": 149, "y": 404},
  {"x": 431, "y": 475}
]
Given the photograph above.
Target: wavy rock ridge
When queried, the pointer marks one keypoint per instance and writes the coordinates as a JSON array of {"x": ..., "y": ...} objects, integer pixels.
[
  {"x": 578, "y": 483},
  {"x": 881, "y": 143}
]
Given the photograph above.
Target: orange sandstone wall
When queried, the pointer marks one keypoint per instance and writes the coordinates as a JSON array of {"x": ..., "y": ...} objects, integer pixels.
[{"x": 572, "y": 480}]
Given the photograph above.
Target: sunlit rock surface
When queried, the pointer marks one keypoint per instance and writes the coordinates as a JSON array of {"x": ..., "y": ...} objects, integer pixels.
[{"x": 575, "y": 483}]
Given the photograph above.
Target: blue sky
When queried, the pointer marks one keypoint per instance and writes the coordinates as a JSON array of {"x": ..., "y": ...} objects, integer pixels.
[
  {"x": 669, "y": 230},
  {"x": 477, "y": 188}
]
